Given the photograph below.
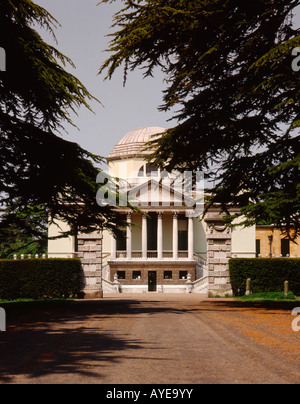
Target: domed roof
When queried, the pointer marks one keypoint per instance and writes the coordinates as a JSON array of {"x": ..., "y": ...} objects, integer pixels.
[{"x": 131, "y": 145}]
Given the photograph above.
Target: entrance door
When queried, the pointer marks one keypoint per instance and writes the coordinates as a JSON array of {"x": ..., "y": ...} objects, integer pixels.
[{"x": 152, "y": 281}]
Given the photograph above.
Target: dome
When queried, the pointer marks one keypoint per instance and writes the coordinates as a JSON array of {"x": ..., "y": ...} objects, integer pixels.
[{"x": 131, "y": 145}]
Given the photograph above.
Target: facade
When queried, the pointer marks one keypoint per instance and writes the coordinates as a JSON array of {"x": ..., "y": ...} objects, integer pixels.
[{"x": 167, "y": 248}]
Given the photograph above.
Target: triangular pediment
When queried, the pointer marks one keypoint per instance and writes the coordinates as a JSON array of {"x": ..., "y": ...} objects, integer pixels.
[{"x": 158, "y": 194}]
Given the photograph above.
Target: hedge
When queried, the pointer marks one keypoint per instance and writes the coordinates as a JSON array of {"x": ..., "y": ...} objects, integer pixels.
[
  {"x": 266, "y": 274},
  {"x": 39, "y": 278}
]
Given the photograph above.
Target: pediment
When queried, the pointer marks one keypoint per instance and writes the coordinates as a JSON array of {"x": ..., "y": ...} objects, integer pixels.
[{"x": 158, "y": 194}]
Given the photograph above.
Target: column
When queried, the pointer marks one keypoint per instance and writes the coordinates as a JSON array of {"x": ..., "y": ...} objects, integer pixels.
[
  {"x": 159, "y": 236},
  {"x": 113, "y": 248},
  {"x": 191, "y": 237},
  {"x": 144, "y": 237},
  {"x": 129, "y": 236},
  {"x": 175, "y": 235}
]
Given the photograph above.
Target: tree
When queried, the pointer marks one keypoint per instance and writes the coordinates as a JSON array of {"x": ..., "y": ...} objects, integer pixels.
[
  {"x": 23, "y": 233},
  {"x": 228, "y": 70},
  {"x": 37, "y": 95}
]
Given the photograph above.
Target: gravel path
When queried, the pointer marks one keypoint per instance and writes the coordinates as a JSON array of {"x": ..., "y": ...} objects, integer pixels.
[{"x": 150, "y": 339}]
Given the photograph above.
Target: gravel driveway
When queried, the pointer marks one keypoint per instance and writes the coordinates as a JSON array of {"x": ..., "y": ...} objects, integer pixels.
[{"x": 150, "y": 339}]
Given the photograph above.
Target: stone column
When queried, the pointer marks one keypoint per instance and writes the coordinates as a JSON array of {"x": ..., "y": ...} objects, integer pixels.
[
  {"x": 175, "y": 235},
  {"x": 113, "y": 248},
  {"x": 129, "y": 236},
  {"x": 159, "y": 236},
  {"x": 191, "y": 238},
  {"x": 144, "y": 237},
  {"x": 219, "y": 239},
  {"x": 90, "y": 254}
]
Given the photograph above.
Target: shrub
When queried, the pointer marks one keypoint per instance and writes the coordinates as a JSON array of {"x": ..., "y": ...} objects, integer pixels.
[
  {"x": 39, "y": 278},
  {"x": 266, "y": 274}
]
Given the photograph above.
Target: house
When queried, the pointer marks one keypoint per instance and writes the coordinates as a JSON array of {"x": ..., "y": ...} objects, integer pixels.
[
  {"x": 168, "y": 247},
  {"x": 270, "y": 242}
]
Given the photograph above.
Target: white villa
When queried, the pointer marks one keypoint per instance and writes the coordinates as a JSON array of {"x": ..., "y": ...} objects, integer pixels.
[{"x": 168, "y": 248}]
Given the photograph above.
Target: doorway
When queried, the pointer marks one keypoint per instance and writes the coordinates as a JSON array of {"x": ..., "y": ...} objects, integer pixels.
[{"x": 152, "y": 276}]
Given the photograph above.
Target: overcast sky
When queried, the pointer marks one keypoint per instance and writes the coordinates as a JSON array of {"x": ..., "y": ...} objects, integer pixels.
[{"x": 82, "y": 37}]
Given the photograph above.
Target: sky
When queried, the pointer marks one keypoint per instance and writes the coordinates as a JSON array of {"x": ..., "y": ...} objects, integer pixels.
[{"x": 83, "y": 37}]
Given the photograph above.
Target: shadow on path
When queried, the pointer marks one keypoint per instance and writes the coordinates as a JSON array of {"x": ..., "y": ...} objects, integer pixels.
[
  {"x": 59, "y": 338},
  {"x": 82, "y": 337}
]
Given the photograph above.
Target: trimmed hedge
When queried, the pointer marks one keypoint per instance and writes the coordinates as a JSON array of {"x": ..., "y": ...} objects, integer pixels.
[
  {"x": 39, "y": 278},
  {"x": 266, "y": 274}
]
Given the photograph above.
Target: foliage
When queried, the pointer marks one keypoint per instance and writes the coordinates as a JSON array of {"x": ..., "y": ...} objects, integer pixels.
[
  {"x": 266, "y": 274},
  {"x": 39, "y": 278},
  {"x": 23, "y": 233},
  {"x": 228, "y": 70},
  {"x": 37, "y": 95}
]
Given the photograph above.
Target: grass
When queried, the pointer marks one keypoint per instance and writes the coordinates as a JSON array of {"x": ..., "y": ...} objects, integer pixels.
[
  {"x": 269, "y": 296},
  {"x": 3, "y": 301}
]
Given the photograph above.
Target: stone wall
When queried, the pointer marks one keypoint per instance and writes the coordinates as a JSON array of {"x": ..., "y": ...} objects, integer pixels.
[{"x": 158, "y": 267}]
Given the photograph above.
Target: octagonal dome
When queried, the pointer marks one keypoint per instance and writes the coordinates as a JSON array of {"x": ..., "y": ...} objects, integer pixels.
[{"x": 131, "y": 145}]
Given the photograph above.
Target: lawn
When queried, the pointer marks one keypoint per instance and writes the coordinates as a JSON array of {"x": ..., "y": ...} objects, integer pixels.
[{"x": 270, "y": 296}]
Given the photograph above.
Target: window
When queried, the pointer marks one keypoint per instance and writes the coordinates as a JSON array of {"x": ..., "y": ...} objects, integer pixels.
[
  {"x": 136, "y": 275},
  {"x": 168, "y": 275},
  {"x": 121, "y": 239},
  {"x": 152, "y": 232},
  {"x": 121, "y": 275},
  {"x": 285, "y": 247},
  {"x": 182, "y": 233},
  {"x": 182, "y": 240},
  {"x": 152, "y": 170},
  {"x": 257, "y": 248},
  {"x": 149, "y": 170},
  {"x": 121, "y": 243},
  {"x": 183, "y": 274}
]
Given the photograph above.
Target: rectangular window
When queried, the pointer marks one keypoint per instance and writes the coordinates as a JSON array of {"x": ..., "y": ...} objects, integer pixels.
[
  {"x": 121, "y": 240},
  {"x": 183, "y": 274},
  {"x": 182, "y": 240},
  {"x": 285, "y": 247},
  {"x": 168, "y": 275},
  {"x": 121, "y": 275},
  {"x": 182, "y": 233},
  {"x": 136, "y": 275},
  {"x": 152, "y": 232},
  {"x": 121, "y": 243}
]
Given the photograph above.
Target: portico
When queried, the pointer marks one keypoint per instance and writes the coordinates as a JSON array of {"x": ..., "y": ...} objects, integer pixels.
[
  {"x": 158, "y": 249},
  {"x": 158, "y": 234}
]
